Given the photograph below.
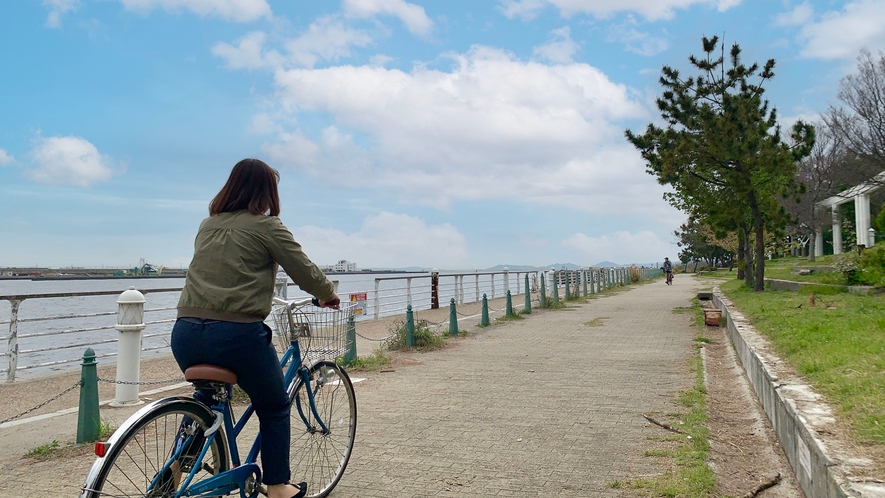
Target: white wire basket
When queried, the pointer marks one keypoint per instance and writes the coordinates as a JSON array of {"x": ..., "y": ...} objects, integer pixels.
[{"x": 321, "y": 332}]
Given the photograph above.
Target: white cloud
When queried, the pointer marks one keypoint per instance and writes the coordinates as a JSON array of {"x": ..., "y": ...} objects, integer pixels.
[
  {"x": 233, "y": 10},
  {"x": 649, "y": 9},
  {"x": 630, "y": 247},
  {"x": 380, "y": 60},
  {"x": 523, "y": 9},
  {"x": 247, "y": 54},
  {"x": 636, "y": 41},
  {"x": 413, "y": 16},
  {"x": 559, "y": 48},
  {"x": 326, "y": 39},
  {"x": 547, "y": 134},
  {"x": 388, "y": 240},
  {"x": 69, "y": 161},
  {"x": 801, "y": 14},
  {"x": 5, "y": 158},
  {"x": 841, "y": 35},
  {"x": 57, "y": 8},
  {"x": 263, "y": 124}
]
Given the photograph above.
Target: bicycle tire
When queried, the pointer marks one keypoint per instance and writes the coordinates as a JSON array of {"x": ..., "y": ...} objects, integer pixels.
[
  {"x": 142, "y": 446},
  {"x": 316, "y": 458}
]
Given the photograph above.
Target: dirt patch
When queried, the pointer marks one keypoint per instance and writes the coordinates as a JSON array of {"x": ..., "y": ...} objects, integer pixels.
[{"x": 744, "y": 451}]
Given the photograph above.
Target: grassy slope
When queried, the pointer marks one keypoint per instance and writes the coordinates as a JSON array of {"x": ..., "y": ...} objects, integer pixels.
[{"x": 838, "y": 345}]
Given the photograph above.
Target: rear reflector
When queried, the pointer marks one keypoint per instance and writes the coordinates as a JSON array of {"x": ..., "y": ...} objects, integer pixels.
[{"x": 100, "y": 448}]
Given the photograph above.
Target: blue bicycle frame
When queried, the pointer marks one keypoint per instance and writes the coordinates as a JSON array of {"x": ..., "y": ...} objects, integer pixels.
[{"x": 240, "y": 475}]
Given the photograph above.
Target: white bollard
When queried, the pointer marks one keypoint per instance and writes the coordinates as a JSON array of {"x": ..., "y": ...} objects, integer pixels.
[
  {"x": 871, "y": 237},
  {"x": 130, "y": 324}
]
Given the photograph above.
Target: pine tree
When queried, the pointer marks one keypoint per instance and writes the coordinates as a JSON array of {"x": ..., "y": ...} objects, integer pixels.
[{"x": 722, "y": 150}]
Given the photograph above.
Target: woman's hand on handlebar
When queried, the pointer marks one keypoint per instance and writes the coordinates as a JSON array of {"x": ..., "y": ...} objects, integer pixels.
[{"x": 332, "y": 302}]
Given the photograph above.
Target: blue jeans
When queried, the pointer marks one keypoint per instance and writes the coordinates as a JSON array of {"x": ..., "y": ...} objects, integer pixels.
[{"x": 246, "y": 349}]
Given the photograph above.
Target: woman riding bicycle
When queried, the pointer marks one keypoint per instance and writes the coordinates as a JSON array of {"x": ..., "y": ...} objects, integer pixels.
[{"x": 227, "y": 296}]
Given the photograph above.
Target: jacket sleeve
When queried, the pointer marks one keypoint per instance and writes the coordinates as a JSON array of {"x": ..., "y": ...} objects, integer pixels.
[{"x": 288, "y": 254}]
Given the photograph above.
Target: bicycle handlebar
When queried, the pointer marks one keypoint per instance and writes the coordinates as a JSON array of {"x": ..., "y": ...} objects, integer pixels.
[{"x": 296, "y": 304}]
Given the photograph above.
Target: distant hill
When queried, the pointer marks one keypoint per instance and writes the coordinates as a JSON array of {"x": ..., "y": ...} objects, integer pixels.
[{"x": 607, "y": 264}]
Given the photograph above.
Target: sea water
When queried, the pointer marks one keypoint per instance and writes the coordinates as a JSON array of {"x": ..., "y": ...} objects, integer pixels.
[{"x": 70, "y": 346}]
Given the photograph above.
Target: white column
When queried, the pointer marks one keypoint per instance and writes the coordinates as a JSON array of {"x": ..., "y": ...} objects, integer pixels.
[
  {"x": 862, "y": 217},
  {"x": 130, "y": 324},
  {"x": 837, "y": 231},
  {"x": 818, "y": 242}
]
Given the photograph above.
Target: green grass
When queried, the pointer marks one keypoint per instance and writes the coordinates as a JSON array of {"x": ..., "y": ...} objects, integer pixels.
[
  {"x": 781, "y": 269},
  {"x": 373, "y": 363},
  {"x": 838, "y": 345},
  {"x": 43, "y": 452},
  {"x": 56, "y": 450},
  {"x": 509, "y": 318}
]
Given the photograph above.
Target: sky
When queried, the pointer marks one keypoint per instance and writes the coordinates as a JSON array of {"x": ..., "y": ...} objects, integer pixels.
[{"x": 455, "y": 134}]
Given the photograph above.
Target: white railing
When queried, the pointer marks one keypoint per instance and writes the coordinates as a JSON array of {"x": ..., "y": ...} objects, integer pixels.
[
  {"x": 53, "y": 347},
  {"x": 59, "y": 343}
]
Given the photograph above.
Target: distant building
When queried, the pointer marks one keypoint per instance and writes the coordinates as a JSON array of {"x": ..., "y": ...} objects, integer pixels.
[{"x": 341, "y": 266}]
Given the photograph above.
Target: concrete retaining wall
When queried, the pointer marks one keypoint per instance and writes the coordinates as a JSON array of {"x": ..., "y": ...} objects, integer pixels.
[
  {"x": 822, "y": 468},
  {"x": 775, "y": 284}
]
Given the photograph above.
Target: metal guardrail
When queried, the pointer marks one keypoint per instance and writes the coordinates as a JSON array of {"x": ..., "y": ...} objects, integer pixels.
[
  {"x": 390, "y": 296},
  {"x": 13, "y": 352}
]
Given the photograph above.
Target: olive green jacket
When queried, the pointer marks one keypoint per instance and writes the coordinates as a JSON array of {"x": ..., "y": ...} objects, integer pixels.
[{"x": 231, "y": 276}]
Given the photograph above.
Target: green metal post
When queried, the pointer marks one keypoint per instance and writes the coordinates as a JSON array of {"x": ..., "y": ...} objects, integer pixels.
[
  {"x": 88, "y": 418},
  {"x": 568, "y": 290},
  {"x": 543, "y": 292},
  {"x": 453, "y": 318},
  {"x": 509, "y": 304},
  {"x": 350, "y": 355},
  {"x": 484, "y": 321},
  {"x": 528, "y": 296},
  {"x": 555, "y": 288},
  {"x": 410, "y": 327},
  {"x": 584, "y": 280}
]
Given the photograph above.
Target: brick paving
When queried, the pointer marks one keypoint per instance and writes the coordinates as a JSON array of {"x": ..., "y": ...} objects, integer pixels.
[{"x": 550, "y": 405}]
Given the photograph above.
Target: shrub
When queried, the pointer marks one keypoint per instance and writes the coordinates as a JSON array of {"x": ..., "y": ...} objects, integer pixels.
[
  {"x": 847, "y": 264},
  {"x": 634, "y": 274},
  {"x": 871, "y": 266},
  {"x": 425, "y": 338}
]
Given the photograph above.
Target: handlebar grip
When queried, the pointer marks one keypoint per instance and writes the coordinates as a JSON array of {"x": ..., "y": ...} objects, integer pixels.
[{"x": 315, "y": 302}]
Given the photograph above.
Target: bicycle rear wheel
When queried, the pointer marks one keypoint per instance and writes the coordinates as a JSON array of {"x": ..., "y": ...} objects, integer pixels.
[
  {"x": 316, "y": 457},
  {"x": 140, "y": 449}
]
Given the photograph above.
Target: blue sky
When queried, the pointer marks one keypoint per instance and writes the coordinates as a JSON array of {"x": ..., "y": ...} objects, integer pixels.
[{"x": 450, "y": 133}]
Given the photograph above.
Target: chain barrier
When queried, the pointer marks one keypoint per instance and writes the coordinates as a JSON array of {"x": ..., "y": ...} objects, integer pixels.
[
  {"x": 372, "y": 339},
  {"x": 133, "y": 383},
  {"x": 41, "y": 405}
]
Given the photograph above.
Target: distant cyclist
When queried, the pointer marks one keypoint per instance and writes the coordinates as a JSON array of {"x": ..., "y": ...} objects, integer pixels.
[{"x": 668, "y": 269}]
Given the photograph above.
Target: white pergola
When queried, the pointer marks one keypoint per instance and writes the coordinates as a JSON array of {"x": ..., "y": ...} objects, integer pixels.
[{"x": 861, "y": 196}]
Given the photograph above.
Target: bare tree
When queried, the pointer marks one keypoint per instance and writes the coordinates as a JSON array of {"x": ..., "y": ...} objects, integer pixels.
[
  {"x": 860, "y": 125},
  {"x": 821, "y": 175}
]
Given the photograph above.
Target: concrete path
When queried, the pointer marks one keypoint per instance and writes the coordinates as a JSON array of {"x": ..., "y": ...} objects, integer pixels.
[{"x": 550, "y": 405}]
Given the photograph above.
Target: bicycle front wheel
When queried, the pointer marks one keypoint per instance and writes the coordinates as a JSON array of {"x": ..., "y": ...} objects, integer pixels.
[
  {"x": 319, "y": 457},
  {"x": 140, "y": 449}
]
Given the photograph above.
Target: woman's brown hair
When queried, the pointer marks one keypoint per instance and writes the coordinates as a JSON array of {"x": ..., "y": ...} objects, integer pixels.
[{"x": 252, "y": 185}]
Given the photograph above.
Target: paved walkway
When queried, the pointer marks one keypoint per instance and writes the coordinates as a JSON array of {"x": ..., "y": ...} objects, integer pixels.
[{"x": 547, "y": 405}]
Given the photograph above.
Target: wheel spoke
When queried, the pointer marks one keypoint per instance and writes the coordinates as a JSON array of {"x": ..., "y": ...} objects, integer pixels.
[{"x": 317, "y": 458}]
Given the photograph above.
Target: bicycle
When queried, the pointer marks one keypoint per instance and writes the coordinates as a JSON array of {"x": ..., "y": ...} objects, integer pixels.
[
  {"x": 669, "y": 278},
  {"x": 178, "y": 447}
]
